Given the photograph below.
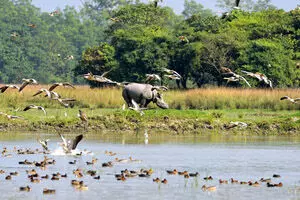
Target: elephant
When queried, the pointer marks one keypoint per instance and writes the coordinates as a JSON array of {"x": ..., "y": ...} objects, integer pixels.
[{"x": 143, "y": 94}]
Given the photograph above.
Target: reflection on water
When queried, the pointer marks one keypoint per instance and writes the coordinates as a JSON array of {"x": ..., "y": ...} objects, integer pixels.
[{"x": 243, "y": 158}]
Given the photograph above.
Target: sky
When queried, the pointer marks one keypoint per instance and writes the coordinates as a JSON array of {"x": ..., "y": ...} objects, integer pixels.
[{"x": 177, "y": 5}]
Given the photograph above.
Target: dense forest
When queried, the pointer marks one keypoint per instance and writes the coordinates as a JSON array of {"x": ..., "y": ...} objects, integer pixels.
[{"x": 130, "y": 39}]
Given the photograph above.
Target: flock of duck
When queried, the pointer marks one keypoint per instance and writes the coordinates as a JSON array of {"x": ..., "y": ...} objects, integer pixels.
[{"x": 69, "y": 147}]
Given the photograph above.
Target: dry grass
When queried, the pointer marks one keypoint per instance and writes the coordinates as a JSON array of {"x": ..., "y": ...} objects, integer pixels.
[{"x": 214, "y": 98}]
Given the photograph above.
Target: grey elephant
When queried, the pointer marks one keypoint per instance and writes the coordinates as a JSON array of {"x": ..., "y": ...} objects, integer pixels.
[{"x": 143, "y": 94}]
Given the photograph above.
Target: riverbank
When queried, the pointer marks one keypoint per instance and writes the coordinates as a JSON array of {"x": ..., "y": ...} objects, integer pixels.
[{"x": 174, "y": 122}]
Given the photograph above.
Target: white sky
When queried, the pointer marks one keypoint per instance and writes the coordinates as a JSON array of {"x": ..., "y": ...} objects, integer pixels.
[{"x": 177, "y": 5}]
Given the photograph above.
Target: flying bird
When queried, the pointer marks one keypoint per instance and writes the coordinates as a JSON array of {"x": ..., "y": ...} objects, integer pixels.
[
  {"x": 260, "y": 77},
  {"x": 172, "y": 72},
  {"x": 35, "y": 107},
  {"x": 31, "y": 25},
  {"x": 152, "y": 77},
  {"x": 48, "y": 93},
  {"x": 27, "y": 82},
  {"x": 69, "y": 57},
  {"x": 173, "y": 77},
  {"x": 64, "y": 101},
  {"x": 290, "y": 99},
  {"x": 44, "y": 144},
  {"x": 5, "y": 87},
  {"x": 69, "y": 145},
  {"x": 65, "y": 84},
  {"x": 235, "y": 77}
]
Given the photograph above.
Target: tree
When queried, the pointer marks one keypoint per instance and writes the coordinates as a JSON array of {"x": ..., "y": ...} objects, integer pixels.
[
  {"x": 97, "y": 60},
  {"x": 191, "y": 7}
]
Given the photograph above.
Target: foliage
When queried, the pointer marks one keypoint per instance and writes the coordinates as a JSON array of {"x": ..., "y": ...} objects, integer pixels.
[{"x": 135, "y": 38}]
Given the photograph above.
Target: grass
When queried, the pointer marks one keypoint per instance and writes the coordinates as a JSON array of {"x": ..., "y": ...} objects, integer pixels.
[{"x": 191, "y": 111}]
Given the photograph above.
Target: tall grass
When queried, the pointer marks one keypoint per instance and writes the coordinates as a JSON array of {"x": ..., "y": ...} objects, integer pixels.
[{"x": 213, "y": 98}]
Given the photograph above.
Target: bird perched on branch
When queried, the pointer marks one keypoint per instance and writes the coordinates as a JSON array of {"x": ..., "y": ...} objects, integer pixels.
[
  {"x": 48, "y": 93},
  {"x": 5, "y": 87},
  {"x": 290, "y": 99},
  {"x": 27, "y": 82},
  {"x": 69, "y": 145},
  {"x": 35, "y": 107},
  {"x": 65, "y": 84}
]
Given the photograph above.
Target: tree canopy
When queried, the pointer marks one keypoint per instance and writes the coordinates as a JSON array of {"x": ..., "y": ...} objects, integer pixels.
[{"x": 132, "y": 38}]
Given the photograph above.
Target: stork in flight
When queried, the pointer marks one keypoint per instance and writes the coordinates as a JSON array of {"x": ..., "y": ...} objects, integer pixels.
[
  {"x": 27, "y": 82},
  {"x": 69, "y": 145},
  {"x": 35, "y": 107},
  {"x": 290, "y": 99}
]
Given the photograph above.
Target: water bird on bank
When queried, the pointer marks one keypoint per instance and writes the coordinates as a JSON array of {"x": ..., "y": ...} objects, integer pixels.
[
  {"x": 236, "y": 124},
  {"x": 11, "y": 116},
  {"x": 290, "y": 99},
  {"x": 27, "y": 82},
  {"x": 5, "y": 87},
  {"x": 65, "y": 84},
  {"x": 69, "y": 145},
  {"x": 48, "y": 93},
  {"x": 35, "y": 107},
  {"x": 83, "y": 116}
]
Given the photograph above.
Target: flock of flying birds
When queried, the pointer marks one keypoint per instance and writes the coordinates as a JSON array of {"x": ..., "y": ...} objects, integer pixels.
[{"x": 52, "y": 95}]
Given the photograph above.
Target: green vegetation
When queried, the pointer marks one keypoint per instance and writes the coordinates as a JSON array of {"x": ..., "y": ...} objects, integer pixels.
[
  {"x": 134, "y": 38},
  {"x": 195, "y": 111}
]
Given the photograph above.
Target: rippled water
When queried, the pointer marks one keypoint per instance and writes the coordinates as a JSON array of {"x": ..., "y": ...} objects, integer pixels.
[{"x": 243, "y": 158}]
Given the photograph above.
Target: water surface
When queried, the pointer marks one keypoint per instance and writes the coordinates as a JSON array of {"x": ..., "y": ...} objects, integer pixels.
[{"x": 222, "y": 157}]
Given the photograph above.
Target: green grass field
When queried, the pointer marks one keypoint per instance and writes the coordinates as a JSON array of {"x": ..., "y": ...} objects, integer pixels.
[{"x": 195, "y": 111}]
